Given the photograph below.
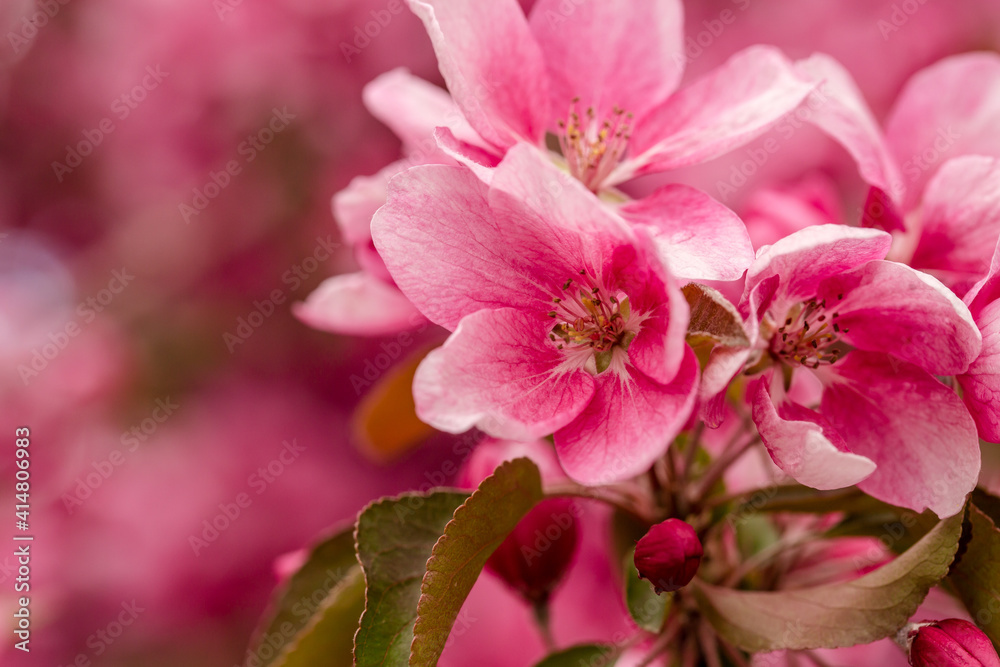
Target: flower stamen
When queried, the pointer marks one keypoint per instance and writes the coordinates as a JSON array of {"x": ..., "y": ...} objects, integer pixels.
[
  {"x": 593, "y": 323},
  {"x": 809, "y": 336},
  {"x": 594, "y": 148}
]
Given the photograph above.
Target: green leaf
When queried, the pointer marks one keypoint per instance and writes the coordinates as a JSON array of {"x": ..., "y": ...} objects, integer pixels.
[
  {"x": 394, "y": 539},
  {"x": 328, "y": 637},
  {"x": 755, "y": 534},
  {"x": 843, "y": 614},
  {"x": 976, "y": 575},
  {"x": 479, "y": 526},
  {"x": 583, "y": 654},
  {"x": 647, "y": 609},
  {"x": 312, "y": 597},
  {"x": 713, "y": 317},
  {"x": 862, "y": 514}
]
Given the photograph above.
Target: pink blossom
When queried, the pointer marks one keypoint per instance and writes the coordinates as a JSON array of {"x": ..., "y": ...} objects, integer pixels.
[
  {"x": 550, "y": 78},
  {"x": 498, "y": 101},
  {"x": 611, "y": 126},
  {"x": 875, "y": 333},
  {"x": 564, "y": 321}
]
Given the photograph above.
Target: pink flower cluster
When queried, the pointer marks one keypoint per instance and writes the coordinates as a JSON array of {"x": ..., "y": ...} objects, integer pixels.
[{"x": 869, "y": 345}]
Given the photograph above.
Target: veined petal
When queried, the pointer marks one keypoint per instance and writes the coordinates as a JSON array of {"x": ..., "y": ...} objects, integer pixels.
[
  {"x": 916, "y": 430},
  {"x": 724, "y": 110},
  {"x": 803, "y": 444},
  {"x": 986, "y": 290},
  {"x": 496, "y": 373},
  {"x": 609, "y": 55},
  {"x": 452, "y": 255},
  {"x": 659, "y": 348},
  {"x": 890, "y": 307},
  {"x": 479, "y": 160},
  {"x": 628, "y": 425},
  {"x": 527, "y": 181},
  {"x": 492, "y": 65},
  {"x": 804, "y": 259},
  {"x": 698, "y": 238}
]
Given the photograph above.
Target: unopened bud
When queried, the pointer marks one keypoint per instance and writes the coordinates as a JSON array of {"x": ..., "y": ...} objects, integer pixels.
[
  {"x": 537, "y": 553},
  {"x": 535, "y": 556},
  {"x": 952, "y": 642},
  {"x": 668, "y": 555}
]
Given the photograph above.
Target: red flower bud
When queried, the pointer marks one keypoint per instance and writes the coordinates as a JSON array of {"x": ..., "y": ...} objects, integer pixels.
[
  {"x": 537, "y": 553},
  {"x": 668, "y": 555},
  {"x": 535, "y": 556},
  {"x": 952, "y": 642}
]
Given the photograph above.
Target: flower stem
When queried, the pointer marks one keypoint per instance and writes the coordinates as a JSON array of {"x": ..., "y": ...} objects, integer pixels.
[
  {"x": 544, "y": 622},
  {"x": 692, "y": 449},
  {"x": 734, "y": 654},
  {"x": 718, "y": 468},
  {"x": 662, "y": 642},
  {"x": 709, "y": 644},
  {"x": 629, "y": 503}
]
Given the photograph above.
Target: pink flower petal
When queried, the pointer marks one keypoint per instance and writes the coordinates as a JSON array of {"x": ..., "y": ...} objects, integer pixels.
[
  {"x": 803, "y": 444},
  {"x": 412, "y": 108},
  {"x": 354, "y": 206},
  {"x": 773, "y": 213},
  {"x": 495, "y": 373},
  {"x": 947, "y": 110},
  {"x": 981, "y": 383},
  {"x": 881, "y": 213},
  {"x": 698, "y": 238},
  {"x": 492, "y": 65},
  {"x": 451, "y": 255},
  {"x": 804, "y": 259},
  {"x": 480, "y": 161},
  {"x": 986, "y": 290},
  {"x": 912, "y": 426},
  {"x": 660, "y": 345},
  {"x": 610, "y": 56},
  {"x": 628, "y": 425},
  {"x": 840, "y": 110},
  {"x": 889, "y": 307},
  {"x": 960, "y": 221},
  {"x": 724, "y": 110},
  {"x": 527, "y": 180},
  {"x": 357, "y": 304}
]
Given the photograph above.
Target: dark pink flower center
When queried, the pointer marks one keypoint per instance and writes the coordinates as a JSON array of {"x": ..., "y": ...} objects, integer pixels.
[
  {"x": 594, "y": 147},
  {"x": 809, "y": 336},
  {"x": 593, "y": 323}
]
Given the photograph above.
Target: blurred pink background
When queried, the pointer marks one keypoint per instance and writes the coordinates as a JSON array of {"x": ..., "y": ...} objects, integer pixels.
[{"x": 166, "y": 169}]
